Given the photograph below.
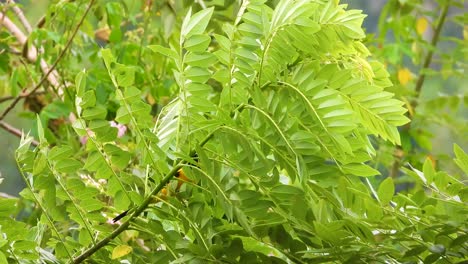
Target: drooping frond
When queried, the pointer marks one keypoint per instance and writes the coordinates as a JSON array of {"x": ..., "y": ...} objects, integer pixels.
[{"x": 376, "y": 109}]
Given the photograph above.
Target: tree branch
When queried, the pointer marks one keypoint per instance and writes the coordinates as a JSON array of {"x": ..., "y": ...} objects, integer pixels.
[
  {"x": 22, "y": 95},
  {"x": 430, "y": 53},
  {"x": 398, "y": 153},
  {"x": 14, "y": 131},
  {"x": 32, "y": 52},
  {"x": 59, "y": 58},
  {"x": 19, "y": 35},
  {"x": 19, "y": 13}
]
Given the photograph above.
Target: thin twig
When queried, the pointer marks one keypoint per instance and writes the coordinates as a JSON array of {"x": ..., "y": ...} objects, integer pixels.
[
  {"x": 52, "y": 67},
  {"x": 142, "y": 207},
  {"x": 398, "y": 153},
  {"x": 22, "y": 95},
  {"x": 14, "y": 131}
]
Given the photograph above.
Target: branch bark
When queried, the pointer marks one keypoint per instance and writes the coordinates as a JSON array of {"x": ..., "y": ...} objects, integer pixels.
[
  {"x": 22, "y": 95},
  {"x": 19, "y": 13},
  {"x": 52, "y": 77},
  {"x": 430, "y": 53},
  {"x": 14, "y": 131}
]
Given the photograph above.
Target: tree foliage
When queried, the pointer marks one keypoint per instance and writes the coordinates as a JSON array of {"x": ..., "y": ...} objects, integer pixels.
[{"x": 226, "y": 131}]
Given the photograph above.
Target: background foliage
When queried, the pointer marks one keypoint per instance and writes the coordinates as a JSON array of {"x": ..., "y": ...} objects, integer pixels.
[{"x": 235, "y": 131}]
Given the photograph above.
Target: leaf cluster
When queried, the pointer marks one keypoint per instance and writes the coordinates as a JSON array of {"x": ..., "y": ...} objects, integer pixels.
[{"x": 269, "y": 110}]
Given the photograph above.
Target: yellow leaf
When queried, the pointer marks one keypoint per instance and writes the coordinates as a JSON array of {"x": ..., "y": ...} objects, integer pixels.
[
  {"x": 120, "y": 251},
  {"x": 103, "y": 34},
  {"x": 421, "y": 25},
  {"x": 150, "y": 99},
  {"x": 404, "y": 76}
]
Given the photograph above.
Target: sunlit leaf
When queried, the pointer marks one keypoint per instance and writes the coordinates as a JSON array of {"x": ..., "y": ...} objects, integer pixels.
[
  {"x": 386, "y": 191},
  {"x": 120, "y": 251},
  {"x": 404, "y": 76},
  {"x": 421, "y": 25},
  {"x": 196, "y": 23}
]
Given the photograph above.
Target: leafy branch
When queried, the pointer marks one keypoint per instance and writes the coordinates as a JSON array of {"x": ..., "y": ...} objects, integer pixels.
[
  {"x": 142, "y": 207},
  {"x": 40, "y": 204}
]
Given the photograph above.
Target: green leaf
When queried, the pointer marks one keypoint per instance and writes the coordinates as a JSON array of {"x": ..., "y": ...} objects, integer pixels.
[
  {"x": 91, "y": 204},
  {"x": 120, "y": 251},
  {"x": 40, "y": 163},
  {"x": 104, "y": 132},
  {"x": 285, "y": 192},
  {"x": 84, "y": 238},
  {"x": 123, "y": 116},
  {"x": 197, "y": 23},
  {"x": 68, "y": 165},
  {"x": 79, "y": 126},
  {"x": 108, "y": 58},
  {"x": 200, "y": 59},
  {"x": 460, "y": 240},
  {"x": 88, "y": 99},
  {"x": 431, "y": 258},
  {"x": 94, "y": 161},
  {"x": 3, "y": 258},
  {"x": 139, "y": 108},
  {"x": 223, "y": 42},
  {"x": 97, "y": 112},
  {"x": 119, "y": 157},
  {"x": 197, "y": 43},
  {"x": 360, "y": 170},
  {"x": 125, "y": 75},
  {"x": 164, "y": 51},
  {"x": 121, "y": 201},
  {"x": 386, "y": 191},
  {"x": 461, "y": 158},
  {"x": 415, "y": 251},
  {"x": 80, "y": 83},
  {"x": 40, "y": 130},
  {"x": 54, "y": 110},
  {"x": 7, "y": 207},
  {"x": 197, "y": 74},
  {"x": 131, "y": 94},
  {"x": 252, "y": 245},
  {"x": 429, "y": 172},
  {"x": 24, "y": 245}
]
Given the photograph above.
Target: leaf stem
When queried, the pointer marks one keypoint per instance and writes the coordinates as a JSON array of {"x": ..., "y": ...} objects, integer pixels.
[
  {"x": 75, "y": 204},
  {"x": 46, "y": 214}
]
